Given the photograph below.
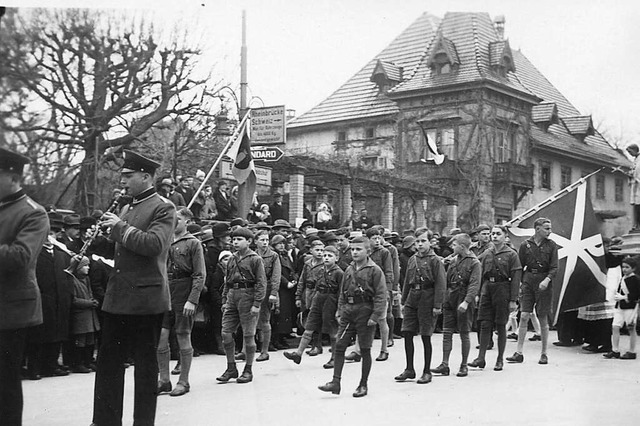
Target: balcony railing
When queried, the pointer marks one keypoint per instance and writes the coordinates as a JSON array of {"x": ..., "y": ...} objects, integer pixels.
[{"x": 518, "y": 175}]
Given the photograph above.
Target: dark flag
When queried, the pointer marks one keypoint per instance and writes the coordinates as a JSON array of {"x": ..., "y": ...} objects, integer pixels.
[{"x": 581, "y": 274}]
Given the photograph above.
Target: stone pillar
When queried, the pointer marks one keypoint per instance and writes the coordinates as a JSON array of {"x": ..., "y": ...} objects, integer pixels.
[
  {"x": 296, "y": 196},
  {"x": 346, "y": 203},
  {"x": 387, "y": 210},
  {"x": 421, "y": 212},
  {"x": 451, "y": 216}
]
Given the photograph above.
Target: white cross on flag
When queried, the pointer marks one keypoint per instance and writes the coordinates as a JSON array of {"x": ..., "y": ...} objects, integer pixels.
[{"x": 581, "y": 276}]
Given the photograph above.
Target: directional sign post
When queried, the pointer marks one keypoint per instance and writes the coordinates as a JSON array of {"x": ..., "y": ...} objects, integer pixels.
[
  {"x": 266, "y": 153},
  {"x": 268, "y": 125}
]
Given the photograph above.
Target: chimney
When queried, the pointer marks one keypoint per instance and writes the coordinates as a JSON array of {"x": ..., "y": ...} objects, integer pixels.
[{"x": 498, "y": 23}]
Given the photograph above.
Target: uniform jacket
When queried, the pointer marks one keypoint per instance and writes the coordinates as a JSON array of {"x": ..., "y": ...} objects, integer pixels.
[
  {"x": 138, "y": 283},
  {"x": 463, "y": 278},
  {"x": 382, "y": 258},
  {"x": 370, "y": 281},
  {"x": 246, "y": 268},
  {"x": 309, "y": 277},
  {"x": 430, "y": 267},
  {"x": 395, "y": 262},
  {"x": 84, "y": 318},
  {"x": 501, "y": 265},
  {"x": 543, "y": 256},
  {"x": 273, "y": 271},
  {"x": 187, "y": 270},
  {"x": 25, "y": 227},
  {"x": 331, "y": 278},
  {"x": 56, "y": 293},
  {"x": 632, "y": 283}
]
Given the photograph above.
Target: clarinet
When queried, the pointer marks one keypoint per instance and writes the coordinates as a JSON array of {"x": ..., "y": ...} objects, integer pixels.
[{"x": 96, "y": 231}]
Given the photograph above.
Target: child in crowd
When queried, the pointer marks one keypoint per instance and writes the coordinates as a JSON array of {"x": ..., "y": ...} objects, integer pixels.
[
  {"x": 84, "y": 317},
  {"x": 626, "y": 309}
]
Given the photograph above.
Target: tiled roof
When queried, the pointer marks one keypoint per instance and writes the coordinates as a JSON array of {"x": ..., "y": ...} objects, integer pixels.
[
  {"x": 471, "y": 33},
  {"x": 359, "y": 97},
  {"x": 390, "y": 70},
  {"x": 580, "y": 125},
  {"x": 543, "y": 112},
  {"x": 594, "y": 148}
]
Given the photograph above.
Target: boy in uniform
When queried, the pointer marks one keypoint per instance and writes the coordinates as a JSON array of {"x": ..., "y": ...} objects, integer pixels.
[
  {"x": 244, "y": 290},
  {"x": 306, "y": 290},
  {"x": 361, "y": 304},
  {"x": 463, "y": 282},
  {"x": 187, "y": 273},
  {"x": 422, "y": 297},
  {"x": 273, "y": 270}
]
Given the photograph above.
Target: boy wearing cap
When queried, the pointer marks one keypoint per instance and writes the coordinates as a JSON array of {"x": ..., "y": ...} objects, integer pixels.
[
  {"x": 361, "y": 304},
  {"x": 311, "y": 273},
  {"x": 186, "y": 280},
  {"x": 244, "y": 290},
  {"x": 322, "y": 315},
  {"x": 24, "y": 229},
  {"x": 272, "y": 269},
  {"x": 137, "y": 295}
]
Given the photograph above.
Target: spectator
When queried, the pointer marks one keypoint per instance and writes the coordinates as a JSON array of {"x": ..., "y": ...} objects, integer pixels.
[
  {"x": 323, "y": 217},
  {"x": 185, "y": 189},
  {"x": 223, "y": 201},
  {"x": 167, "y": 190},
  {"x": 209, "y": 210},
  {"x": 277, "y": 209}
]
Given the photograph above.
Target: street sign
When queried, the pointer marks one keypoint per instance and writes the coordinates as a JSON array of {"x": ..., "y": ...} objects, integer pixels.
[
  {"x": 268, "y": 125},
  {"x": 263, "y": 174},
  {"x": 266, "y": 153}
]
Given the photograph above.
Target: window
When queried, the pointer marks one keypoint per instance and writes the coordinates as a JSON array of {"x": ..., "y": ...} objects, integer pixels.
[
  {"x": 600, "y": 186},
  {"x": 445, "y": 140},
  {"x": 502, "y": 152},
  {"x": 565, "y": 176},
  {"x": 342, "y": 136},
  {"x": 374, "y": 162},
  {"x": 545, "y": 175},
  {"x": 619, "y": 189},
  {"x": 369, "y": 133},
  {"x": 441, "y": 64}
]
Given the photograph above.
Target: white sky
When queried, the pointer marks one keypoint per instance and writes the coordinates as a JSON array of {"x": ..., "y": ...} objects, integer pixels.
[{"x": 301, "y": 51}]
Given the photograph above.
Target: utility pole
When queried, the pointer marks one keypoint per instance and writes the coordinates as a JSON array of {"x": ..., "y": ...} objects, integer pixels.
[{"x": 244, "y": 198}]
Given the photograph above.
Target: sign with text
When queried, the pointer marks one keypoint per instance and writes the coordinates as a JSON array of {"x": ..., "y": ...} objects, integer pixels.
[
  {"x": 268, "y": 125},
  {"x": 263, "y": 174},
  {"x": 266, "y": 153}
]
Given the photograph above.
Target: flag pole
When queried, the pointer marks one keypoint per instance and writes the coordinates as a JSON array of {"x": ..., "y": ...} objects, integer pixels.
[
  {"x": 233, "y": 137},
  {"x": 551, "y": 199}
]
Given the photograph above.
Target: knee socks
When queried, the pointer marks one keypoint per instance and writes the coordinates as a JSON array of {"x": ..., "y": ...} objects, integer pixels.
[
  {"x": 338, "y": 364},
  {"x": 466, "y": 347},
  {"x": 502, "y": 340},
  {"x": 250, "y": 347},
  {"x": 266, "y": 337},
  {"x": 486, "y": 327},
  {"x": 428, "y": 351},
  {"x": 366, "y": 366},
  {"x": 409, "y": 349},
  {"x": 229, "y": 348},
  {"x": 447, "y": 345},
  {"x": 186, "y": 356},
  {"x": 163, "y": 355}
]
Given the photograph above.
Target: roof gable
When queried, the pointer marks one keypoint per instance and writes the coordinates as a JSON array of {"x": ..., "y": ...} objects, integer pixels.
[
  {"x": 442, "y": 46},
  {"x": 580, "y": 126},
  {"x": 500, "y": 56},
  {"x": 545, "y": 112}
]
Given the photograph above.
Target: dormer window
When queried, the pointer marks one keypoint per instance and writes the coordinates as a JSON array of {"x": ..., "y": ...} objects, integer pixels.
[
  {"x": 501, "y": 58},
  {"x": 443, "y": 58},
  {"x": 386, "y": 75},
  {"x": 579, "y": 126}
]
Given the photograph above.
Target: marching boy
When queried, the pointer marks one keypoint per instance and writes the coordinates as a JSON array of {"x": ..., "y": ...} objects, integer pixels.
[
  {"x": 322, "y": 316},
  {"x": 362, "y": 302}
]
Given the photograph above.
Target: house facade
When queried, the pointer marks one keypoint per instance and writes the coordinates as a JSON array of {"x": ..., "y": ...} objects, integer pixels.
[{"x": 461, "y": 130}]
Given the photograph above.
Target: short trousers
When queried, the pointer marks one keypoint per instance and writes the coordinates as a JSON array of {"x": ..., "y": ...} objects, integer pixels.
[
  {"x": 624, "y": 316},
  {"x": 418, "y": 313},
  {"x": 175, "y": 319},
  {"x": 322, "y": 316},
  {"x": 494, "y": 302},
  {"x": 531, "y": 296},
  {"x": 353, "y": 322},
  {"x": 265, "y": 309},
  {"x": 453, "y": 320},
  {"x": 238, "y": 312}
]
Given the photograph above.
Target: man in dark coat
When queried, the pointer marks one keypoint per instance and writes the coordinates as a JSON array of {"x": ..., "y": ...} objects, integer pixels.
[
  {"x": 137, "y": 295},
  {"x": 71, "y": 233},
  {"x": 25, "y": 227},
  {"x": 223, "y": 201},
  {"x": 277, "y": 209}
]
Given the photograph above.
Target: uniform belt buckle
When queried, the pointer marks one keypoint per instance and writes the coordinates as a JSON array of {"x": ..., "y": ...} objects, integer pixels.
[
  {"x": 350, "y": 300},
  {"x": 417, "y": 287},
  {"x": 492, "y": 279}
]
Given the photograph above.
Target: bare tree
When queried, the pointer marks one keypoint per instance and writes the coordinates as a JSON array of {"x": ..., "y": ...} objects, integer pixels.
[{"x": 97, "y": 83}]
